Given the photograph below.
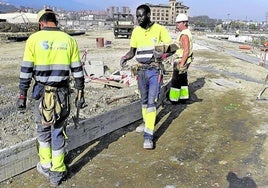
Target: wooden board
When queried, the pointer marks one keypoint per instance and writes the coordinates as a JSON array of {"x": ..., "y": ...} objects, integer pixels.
[
  {"x": 93, "y": 128},
  {"x": 18, "y": 158},
  {"x": 108, "y": 83},
  {"x": 21, "y": 157}
]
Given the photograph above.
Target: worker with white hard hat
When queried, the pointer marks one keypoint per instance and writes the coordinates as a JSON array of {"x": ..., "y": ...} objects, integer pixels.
[{"x": 183, "y": 57}]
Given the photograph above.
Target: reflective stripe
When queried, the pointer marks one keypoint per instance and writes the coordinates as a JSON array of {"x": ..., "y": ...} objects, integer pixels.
[
  {"x": 46, "y": 165},
  {"x": 57, "y": 152},
  {"x": 75, "y": 64},
  {"x": 148, "y": 131},
  {"x": 78, "y": 74},
  {"x": 174, "y": 94},
  {"x": 45, "y": 154},
  {"x": 52, "y": 67},
  {"x": 27, "y": 64},
  {"x": 58, "y": 161},
  {"x": 50, "y": 79},
  {"x": 26, "y": 70},
  {"x": 150, "y": 121},
  {"x": 77, "y": 69},
  {"x": 25, "y": 75},
  {"x": 151, "y": 109},
  {"x": 144, "y": 49},
  {"x": 144, "y": 55},
  {"x": 44, "y": 144},
  {"x": 184, "y": 92}
]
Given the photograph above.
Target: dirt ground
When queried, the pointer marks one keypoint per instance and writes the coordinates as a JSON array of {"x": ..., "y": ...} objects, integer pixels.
[{"x": 222, "y": 128}]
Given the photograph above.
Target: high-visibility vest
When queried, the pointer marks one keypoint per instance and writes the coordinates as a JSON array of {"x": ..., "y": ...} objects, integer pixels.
[
  {"x": 179, "y": 52},
  {"x": 146, "y": 39}
]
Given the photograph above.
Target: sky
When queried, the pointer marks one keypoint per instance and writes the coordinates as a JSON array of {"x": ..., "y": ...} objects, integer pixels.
[{"x": 250, "y": 10}]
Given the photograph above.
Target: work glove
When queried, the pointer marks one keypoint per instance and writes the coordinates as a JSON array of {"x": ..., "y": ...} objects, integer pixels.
[
  {"x": 123, "y": 61},
  {"x": 179, "y": 68},
  {"x": 21, "y": 102},
  {"x": 80, "y": 100},
  {"x": 158, "y": 55}
]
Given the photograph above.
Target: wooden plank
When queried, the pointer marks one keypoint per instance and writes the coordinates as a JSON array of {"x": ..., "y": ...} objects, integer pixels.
[
  {"x": 18, "y": 158},
  {"x": 111, "y": 100},
  {"x": 21, "y": 157},
  {"x": 108, "y": 82},
  {"x": 93, "y": 128}
]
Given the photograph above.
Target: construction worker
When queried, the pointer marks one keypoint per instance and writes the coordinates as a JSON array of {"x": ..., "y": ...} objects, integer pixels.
[
  {"x": 182, "y": 60},
  {"x": 49, "y": 56},
  {"x": 142, "y": 44}
]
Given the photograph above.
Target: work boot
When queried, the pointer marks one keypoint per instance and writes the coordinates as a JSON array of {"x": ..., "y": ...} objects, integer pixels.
[
  {"x": 140, "y": 128},
  {"x": 43, "y": 171},
  {"x": 56, "y": 178},
  {"x": 148, "y": 144}
]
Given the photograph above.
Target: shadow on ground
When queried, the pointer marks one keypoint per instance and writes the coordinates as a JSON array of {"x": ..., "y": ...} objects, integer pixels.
[
  {"x": 104, "y": 142},
  {"x": 235, "y": 182},
  {"x": 174, "y": 110}
]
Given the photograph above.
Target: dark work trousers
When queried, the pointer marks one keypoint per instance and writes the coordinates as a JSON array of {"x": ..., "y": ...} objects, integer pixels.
[{"x": 179, "y": 80}]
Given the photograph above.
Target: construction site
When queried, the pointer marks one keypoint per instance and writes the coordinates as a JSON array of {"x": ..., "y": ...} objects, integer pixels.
[{"x": 221, "y": 129}]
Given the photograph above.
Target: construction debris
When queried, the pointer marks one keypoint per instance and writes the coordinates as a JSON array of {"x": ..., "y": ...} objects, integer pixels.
[{"x": 97, "y": 72}]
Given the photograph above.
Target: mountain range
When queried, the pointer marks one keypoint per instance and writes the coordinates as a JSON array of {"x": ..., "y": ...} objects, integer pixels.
[{"x": 6, "y": 8}]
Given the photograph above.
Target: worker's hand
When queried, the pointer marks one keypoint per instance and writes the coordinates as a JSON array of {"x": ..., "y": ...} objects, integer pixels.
[
  {"x": 80, "y": 100},
  {"x": 21, "y": 102},
  {"x": 182, "y": 68},
  {"x": 159, "y": 55},
  {"x": 123, "y": 61}
]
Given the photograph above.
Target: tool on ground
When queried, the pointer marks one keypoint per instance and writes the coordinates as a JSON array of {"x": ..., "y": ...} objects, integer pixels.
[{"x": 259, "y": 97}]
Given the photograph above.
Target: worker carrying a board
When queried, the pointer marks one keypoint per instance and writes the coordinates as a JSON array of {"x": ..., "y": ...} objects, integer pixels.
[
  {"x": 49, "y": 57},
  {"x": 143, "y": 40},
  {"x": 182, "y": 60}
]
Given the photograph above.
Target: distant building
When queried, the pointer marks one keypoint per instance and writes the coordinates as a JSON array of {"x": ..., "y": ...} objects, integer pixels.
[
  {"x": 125, "y": 10},
  {"x": 166, "y": 14},
  {"x": 115, "y": 10},
  {"x": 112, "y": 10}
]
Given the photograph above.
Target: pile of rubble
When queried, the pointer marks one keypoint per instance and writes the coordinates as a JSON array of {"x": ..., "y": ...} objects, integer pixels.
[{"x": 14, "y": 28}]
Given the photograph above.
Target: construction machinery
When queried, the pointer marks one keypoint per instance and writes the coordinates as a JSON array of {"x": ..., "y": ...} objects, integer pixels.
[{"x": 123, "y": 25}]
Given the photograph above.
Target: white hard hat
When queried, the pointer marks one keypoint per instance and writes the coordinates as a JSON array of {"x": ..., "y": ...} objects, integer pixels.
[{"x": 181, "y": 18}]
